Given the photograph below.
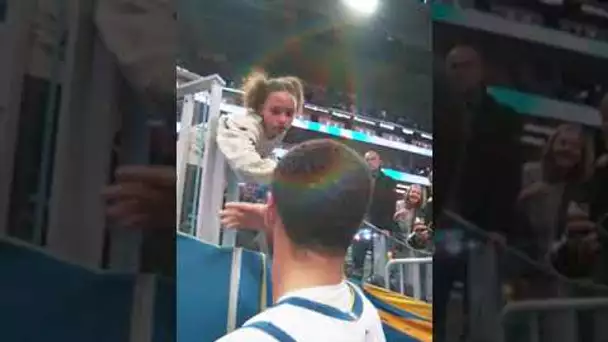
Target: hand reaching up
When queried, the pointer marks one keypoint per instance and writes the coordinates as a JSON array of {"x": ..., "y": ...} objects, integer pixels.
[
  {"x": 243, "y": 215},
  {"x": 143, "y": 197}
]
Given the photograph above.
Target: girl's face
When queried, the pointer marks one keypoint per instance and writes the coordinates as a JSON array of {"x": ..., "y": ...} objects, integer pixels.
[
  {"x": 567, "y": 149},
  {"x": 278, "y": 112}
]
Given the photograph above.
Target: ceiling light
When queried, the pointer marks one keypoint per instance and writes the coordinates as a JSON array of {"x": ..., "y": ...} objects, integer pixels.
[{"x": 362, "y": 6}]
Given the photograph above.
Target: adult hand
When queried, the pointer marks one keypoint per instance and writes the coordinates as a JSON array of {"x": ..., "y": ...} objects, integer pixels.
[
  {"x": 243, "y": 215},
  {"x": 399, "y": 215},
  {"x": 422, "y": 231},
  {"x": 143, "y": 196}
]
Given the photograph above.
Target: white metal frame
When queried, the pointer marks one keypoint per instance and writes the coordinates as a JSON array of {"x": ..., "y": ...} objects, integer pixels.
[
  {"x": 416, "y": 281},
  {"x": 214, "y": 173},
  {"x": 86, "y": 123},
  {"x": 88, "y": 118},
  {"x": 560, "y": 320},
  {"x": 183, "y": 152},
  {"x": 485, "y": 300},
  {"x": 16, "y": 46}
]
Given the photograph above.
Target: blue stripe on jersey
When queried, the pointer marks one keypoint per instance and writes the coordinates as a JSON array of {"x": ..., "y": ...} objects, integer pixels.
[
  {"x": 327, "y": 310},
  {"x": 272, "y": 330}
]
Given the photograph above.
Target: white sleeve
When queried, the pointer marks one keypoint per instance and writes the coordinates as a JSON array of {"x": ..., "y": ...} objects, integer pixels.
[
  {"x": 142, "y": 35},
  {"x": 247, "y": 335},
  {"x": 238, "y": 142}
]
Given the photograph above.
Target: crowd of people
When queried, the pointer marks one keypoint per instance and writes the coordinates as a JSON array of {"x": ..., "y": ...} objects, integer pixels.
[
  {"x": 550, "y": 210},
  {"x": 398, "y": 226}
]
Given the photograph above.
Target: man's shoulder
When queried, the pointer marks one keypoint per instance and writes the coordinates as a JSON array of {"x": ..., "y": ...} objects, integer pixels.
[
  {"x": 503, "y": 115},
  {"x": 247, "y": 334}
]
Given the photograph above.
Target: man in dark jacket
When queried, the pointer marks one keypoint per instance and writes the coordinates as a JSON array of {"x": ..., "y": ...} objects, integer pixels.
[
  {"x": 380, "y": 214},
  {"x": 477, "y": 170},
  {"x": 384, "y": 198}
]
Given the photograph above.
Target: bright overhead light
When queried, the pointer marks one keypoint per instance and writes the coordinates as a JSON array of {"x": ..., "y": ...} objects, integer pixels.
[{"x": 362, "y": 6}]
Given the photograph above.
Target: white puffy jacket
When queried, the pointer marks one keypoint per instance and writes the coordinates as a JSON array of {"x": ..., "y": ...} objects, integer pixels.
[{"x": 242, "y": 140}]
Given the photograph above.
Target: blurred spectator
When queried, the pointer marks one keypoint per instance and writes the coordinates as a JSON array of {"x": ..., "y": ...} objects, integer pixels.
[
  {"x": 380, "y": 214},
  {"x": 481, "y": 145},
  {"x": 477, "y": 151},
  {"x": 550, "y": 187},
  {"x": 411, "y": 216},
  {"x": 409, "y": 208},
  {"x": 382, "y": 206}
]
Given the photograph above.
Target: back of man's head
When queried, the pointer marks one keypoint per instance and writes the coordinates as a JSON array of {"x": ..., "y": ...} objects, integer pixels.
[{"x": 321, "y": 189}]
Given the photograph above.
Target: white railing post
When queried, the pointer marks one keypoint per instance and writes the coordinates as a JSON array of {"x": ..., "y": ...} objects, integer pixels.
[
  {"x": 16, "y": 54},
  {"x": 85, "y": 125},
  {"x": 213, "y": 177},
  {"x": 560, "y": 326},
  {"x": 417, "y": 262},
  {"x": 600, "y": 324},
  {"x": 209, "y": 197},
  {"x": 184, "y": 144},
  {"x": 484, "y": 293}
]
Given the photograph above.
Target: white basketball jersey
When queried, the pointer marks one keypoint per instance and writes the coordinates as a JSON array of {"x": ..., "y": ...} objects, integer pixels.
[{"x": 338, "y": 313}]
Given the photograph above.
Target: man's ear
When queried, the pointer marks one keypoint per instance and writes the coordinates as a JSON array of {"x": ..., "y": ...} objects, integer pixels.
[{"x": 270, "y": 215}]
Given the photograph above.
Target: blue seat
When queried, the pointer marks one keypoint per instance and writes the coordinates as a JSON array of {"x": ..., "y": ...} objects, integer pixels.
[
  {"x": 218, "y": 289},
  {"x": 43, "y": 298}
]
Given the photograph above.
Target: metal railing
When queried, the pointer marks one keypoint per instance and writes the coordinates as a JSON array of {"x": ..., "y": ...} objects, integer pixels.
[
  {"x": 557, "y": 320},
  {"x": 216, "y": 174},
  {"x": 416, "y": 281},
  {"x": 546, "y": 320}
]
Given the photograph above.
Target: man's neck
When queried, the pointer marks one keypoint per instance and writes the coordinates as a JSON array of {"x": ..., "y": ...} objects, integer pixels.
[{"x": 292, "y": 275}]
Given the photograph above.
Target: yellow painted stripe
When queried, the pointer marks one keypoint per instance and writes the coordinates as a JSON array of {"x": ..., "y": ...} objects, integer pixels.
[
  {"x": 422, "y": 331},
  {"x": 416, "y": 307}
]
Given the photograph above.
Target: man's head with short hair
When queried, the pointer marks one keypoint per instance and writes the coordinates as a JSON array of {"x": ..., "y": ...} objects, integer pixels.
[
  {"x": 320, "y": 192},
  {"x": 373, "y": 160},
  {"x": 464, "y": 68}
]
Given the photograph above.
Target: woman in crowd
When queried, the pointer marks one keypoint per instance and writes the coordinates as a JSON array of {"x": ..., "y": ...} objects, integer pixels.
[
  {"x": 410, "y": 217},
  {"x": 554, "y": 200},
  {"x": 409, "y": 208},
  {"x": 247, "y": 141}
]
